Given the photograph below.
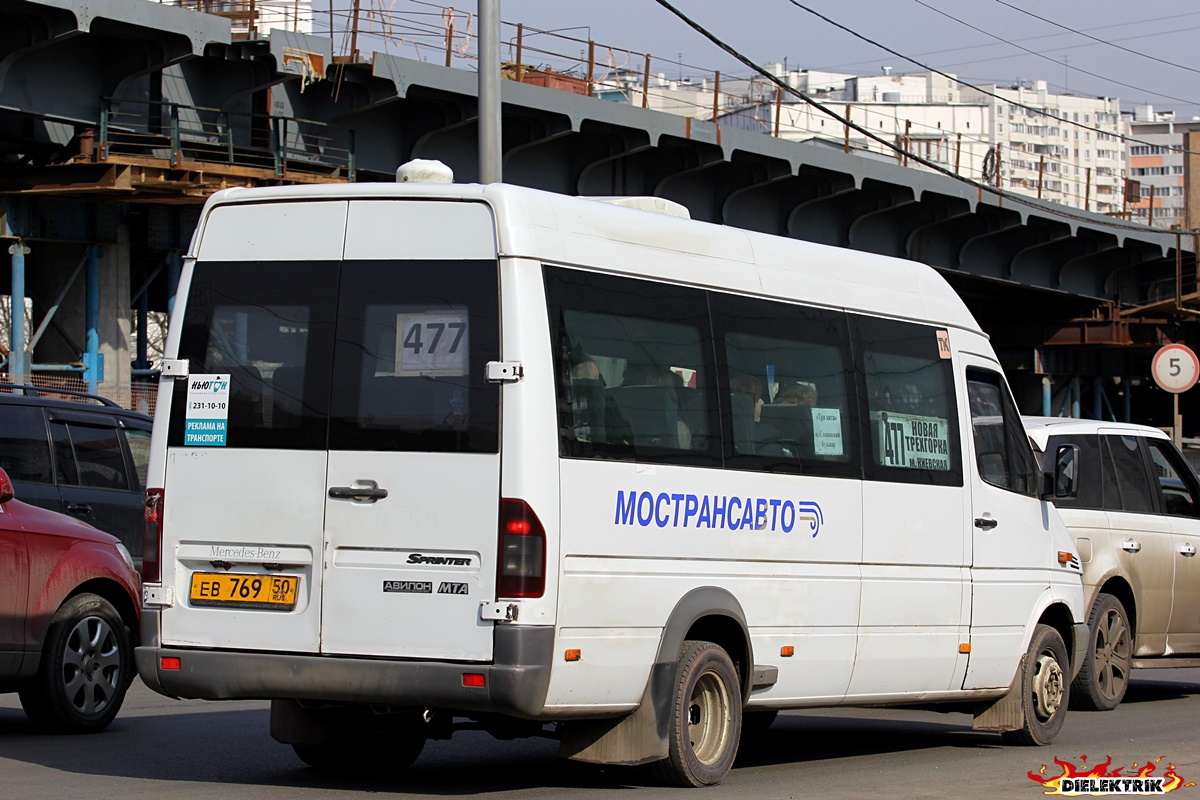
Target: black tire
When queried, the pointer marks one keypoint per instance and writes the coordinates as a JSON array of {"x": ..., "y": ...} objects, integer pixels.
[
  {"x": 1104, "y": 675},
  {"x": 86, "y": 668},
  {"x": 756, "y": 723},
  {"x": 706, "y": 718},
  {"x": 366, "y": 749},
  {"x": 1045, "y": 691}
]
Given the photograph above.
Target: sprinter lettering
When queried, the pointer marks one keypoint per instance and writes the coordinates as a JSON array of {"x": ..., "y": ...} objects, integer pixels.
[
  {"x": 449, "y": 561},
  {"x": 721, "y": 512}
]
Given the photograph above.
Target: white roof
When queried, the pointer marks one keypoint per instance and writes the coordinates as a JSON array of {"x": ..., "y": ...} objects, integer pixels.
[
  {"x": 576, "y": 231},
  {"x": 1040, "y": 429}
]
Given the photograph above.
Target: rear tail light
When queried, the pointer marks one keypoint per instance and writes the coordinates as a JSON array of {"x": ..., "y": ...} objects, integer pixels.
[
  {"x": 152, "y": 537},
  {"x": 522, "y": 568}
]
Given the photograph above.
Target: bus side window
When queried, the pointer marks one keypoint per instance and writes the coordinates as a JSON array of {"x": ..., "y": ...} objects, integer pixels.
[
  {"x": 632, "y": 370},
  {"x": 789, "y": 387},
  {"x": 1002, "y": 450},
  {"x": 912, "y": 421}
]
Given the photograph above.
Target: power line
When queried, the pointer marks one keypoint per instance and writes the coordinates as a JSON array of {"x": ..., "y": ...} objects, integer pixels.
[
  {"x": 1042, "y": 36},
  {"x": 891, "y": 146},
  {"x": 1072, "y": 47},
  {"x": 1046, "y": 57},
  {"x": 1095, "y": 39},
  {"x": 980, "y": 89}
]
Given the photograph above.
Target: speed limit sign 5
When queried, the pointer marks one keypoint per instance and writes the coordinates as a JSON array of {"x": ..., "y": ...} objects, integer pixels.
[{"x": 1175, "y": 368}]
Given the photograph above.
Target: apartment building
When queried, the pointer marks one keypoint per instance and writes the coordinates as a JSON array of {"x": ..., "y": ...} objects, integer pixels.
[
  {"x": 1078, "y": 165},
  {"x": 923, "y": 114},
  {"x": 1155, "y": 162},
  {"x": 1063, "y": 148}
]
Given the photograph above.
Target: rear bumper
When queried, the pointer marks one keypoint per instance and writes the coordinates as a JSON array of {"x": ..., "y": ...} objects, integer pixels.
[{"x": 515, "y": 682}]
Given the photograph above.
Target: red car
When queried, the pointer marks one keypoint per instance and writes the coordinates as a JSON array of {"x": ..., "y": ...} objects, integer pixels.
[{"x": 69, "y": 604}]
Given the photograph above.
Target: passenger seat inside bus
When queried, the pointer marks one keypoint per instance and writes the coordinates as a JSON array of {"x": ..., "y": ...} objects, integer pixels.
[
  {"x": 652, "y": 412},
  {"x": 287, "y": 391},
  {"x": 588, "y": 408},
  {"x": 793, "y": 425},
  {"x": 245, "y": 397}
]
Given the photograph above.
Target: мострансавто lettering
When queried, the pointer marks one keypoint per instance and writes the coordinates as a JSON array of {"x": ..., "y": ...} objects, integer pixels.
[{"x": 728, "y": 512}]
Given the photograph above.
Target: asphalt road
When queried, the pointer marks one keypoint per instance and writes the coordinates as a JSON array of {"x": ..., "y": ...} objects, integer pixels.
[{"x": 195, "y": 750}]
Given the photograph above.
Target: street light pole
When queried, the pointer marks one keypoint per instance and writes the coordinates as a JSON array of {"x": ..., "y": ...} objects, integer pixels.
[{"x": 489, "y": 91}]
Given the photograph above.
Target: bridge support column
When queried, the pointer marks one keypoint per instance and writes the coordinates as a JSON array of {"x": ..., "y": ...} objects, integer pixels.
[
  {"x": 93, "y": 366},
  {"x": 105, "y": 321},
  {"x": 18, "y": 359}
]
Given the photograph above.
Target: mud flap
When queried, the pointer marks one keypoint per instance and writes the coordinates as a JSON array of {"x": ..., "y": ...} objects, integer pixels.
[
  {"x": 1006, "y": 713},
  {"x": 639, "y": 738},
  {"x": 291, "y": 723}
]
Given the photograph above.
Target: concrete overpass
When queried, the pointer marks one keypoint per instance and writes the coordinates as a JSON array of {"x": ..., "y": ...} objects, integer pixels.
[{"x": 118, "y": 117}]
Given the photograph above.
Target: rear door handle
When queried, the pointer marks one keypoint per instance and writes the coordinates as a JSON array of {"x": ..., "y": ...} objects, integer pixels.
[
  {"x": 985, "y": 523},
  {"x": 357, "y": 493},
  {"x": 1187, "y": 550},
  {"x": 83, "y": 509},
  {"x": 1130, "y": 546}
]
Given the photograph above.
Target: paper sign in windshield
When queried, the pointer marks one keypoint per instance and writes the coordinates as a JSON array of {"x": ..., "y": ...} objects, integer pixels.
[
  {"x": 827, "y": 431},
  {"x": 914, "y": 442},
  {"x": 207, "y": 410},
  {"x": 432, "y": 344}
]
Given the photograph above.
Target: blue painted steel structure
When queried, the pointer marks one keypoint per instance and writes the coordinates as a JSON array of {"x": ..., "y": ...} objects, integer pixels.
[{"x": 18, "y": 354}]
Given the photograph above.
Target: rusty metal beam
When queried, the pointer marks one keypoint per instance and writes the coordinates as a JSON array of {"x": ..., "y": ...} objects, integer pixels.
[
  {"x": 1167, "y": 306},
  {"x": 1111, "y": 333},
  {"x": 136, "y": 178}
]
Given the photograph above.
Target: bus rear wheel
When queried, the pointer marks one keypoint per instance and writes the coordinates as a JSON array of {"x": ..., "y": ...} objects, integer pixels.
[
  {"x": 706, "y": 716},
  {"x": 365, "y": 751}
]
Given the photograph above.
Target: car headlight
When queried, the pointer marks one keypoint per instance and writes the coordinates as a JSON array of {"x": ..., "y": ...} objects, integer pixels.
[{"x": 124, "y": 551}]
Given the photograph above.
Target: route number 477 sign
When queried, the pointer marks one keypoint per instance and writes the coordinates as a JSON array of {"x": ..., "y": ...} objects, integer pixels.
[{"x": 1175, "y": 368}]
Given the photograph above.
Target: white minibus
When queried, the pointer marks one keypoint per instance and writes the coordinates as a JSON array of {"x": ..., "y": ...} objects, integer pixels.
[{"x": 433, "y": 456}]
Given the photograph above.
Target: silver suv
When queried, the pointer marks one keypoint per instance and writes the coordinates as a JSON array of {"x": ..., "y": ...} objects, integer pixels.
[{"x": 1136, "y": 521}]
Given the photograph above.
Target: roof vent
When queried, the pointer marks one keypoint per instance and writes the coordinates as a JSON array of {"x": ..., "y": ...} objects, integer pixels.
[
  {"x": 658, "y": 205},
  {"x": 424, "y": 170}
]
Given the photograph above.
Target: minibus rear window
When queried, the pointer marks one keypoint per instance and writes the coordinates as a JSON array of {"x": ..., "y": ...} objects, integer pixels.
[
  {"x": 413, "y": 342},
  {"x": 269, "y": 326},
  {"x": 361, "y": 355}
]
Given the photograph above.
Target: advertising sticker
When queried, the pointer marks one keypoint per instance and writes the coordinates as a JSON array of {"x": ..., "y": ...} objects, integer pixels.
[{"x": 207, "y": 411}]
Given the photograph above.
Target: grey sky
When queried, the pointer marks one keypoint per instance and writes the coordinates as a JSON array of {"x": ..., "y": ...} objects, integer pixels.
[{"x": 775, "y": 30}]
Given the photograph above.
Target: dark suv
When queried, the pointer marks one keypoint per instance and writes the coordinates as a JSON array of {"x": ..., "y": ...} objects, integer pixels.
[{"x": 85, "y": 456}]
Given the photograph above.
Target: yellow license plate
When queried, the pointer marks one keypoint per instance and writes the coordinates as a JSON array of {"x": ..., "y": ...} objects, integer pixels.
[{"x": 234, "y": 590}]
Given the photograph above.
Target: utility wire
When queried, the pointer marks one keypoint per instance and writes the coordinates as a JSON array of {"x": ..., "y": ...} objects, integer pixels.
[
  {"x": 1095, "y": 39},
  {"x": 891, "y": 146},
  {"x": 1072, "y": 47},
  {"x": 1045, "y": 36},
  {"x": 1036, "y": 111},
  {"x": 1048, "y": 58}
]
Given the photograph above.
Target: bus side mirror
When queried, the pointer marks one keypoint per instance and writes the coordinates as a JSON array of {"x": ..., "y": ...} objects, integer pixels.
[{"x": 1063, "y": 483}]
